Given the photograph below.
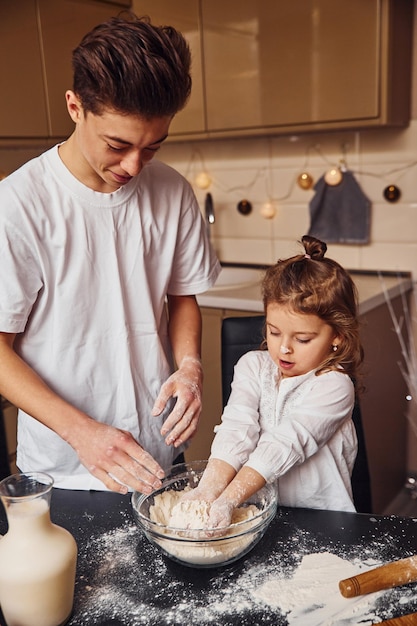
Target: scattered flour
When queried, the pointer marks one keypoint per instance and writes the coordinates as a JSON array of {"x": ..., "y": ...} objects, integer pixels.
[
  {"x": 123, "y": 579},
  {"x": 191, "y": 545},
  {"x": 312, "y": 595}
]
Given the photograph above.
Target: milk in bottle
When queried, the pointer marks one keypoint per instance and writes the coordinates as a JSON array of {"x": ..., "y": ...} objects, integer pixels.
[{"x": 38, "y": 558}]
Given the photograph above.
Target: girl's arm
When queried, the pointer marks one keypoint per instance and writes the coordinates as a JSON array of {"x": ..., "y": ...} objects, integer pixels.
[
  {"x": 215, "y": 479},
  {"x": 308, "y": 426},
  {"x": 225, "y": 489},
  {"x": 238, "y": 434},
  {"x": 246, "y": 482}
]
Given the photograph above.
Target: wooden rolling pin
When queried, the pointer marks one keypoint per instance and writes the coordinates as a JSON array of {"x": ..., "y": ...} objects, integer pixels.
[
  {"x": 405, "y": 620},
  {"x": 385, "y": 576}
]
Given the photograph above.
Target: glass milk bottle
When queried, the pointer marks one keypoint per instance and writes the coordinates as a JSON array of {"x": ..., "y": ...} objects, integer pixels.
[{"x": 37, "y": 558}]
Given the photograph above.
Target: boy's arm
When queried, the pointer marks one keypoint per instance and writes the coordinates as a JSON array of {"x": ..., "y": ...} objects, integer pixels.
[
  {"x": 187, "y": 382},
  {"x": 105, "y": 451}
]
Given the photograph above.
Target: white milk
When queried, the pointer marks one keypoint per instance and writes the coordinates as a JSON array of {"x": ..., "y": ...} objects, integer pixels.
[{"x": 37, "y": 572}]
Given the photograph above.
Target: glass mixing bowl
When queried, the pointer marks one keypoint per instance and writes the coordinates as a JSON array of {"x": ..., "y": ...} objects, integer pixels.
[{"x": 194, "y": 548}]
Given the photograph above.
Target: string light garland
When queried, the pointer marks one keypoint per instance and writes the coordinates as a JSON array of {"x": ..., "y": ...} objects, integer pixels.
[{"x": 304, "y": 180}]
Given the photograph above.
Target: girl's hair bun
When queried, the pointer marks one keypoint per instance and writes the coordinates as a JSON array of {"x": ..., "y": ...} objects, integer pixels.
[{"x": 314, "y": 248}]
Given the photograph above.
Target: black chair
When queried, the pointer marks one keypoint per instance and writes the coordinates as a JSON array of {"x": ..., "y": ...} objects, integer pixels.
[
  {"x": 4, "y": 456},
  {"x": 241, "y": 334}
]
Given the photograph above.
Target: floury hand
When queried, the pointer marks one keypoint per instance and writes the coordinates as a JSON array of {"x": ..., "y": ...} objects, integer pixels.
[{"x": 186, "y": 386}]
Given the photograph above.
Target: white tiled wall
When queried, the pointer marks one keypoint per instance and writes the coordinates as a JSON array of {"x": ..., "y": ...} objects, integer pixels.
[{"x": 265, "y": 170}]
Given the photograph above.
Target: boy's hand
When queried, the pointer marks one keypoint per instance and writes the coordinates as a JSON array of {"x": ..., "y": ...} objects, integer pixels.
[
  {"x": 186, "y": 386},
  {"x": 114, "y": 457}
]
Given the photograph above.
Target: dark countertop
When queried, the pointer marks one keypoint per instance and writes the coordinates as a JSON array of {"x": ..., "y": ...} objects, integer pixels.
[{"x": 122, "y": 580}]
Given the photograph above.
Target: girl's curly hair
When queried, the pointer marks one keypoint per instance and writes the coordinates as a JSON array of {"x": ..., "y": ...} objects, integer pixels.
[{"x": 313, "y": 284}]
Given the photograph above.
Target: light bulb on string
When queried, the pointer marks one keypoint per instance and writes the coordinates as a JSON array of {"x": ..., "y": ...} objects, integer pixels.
[
  {"x": 305, "y": 180},
  {"x": 392, "y": 193},
  {"x": 203, "y": 180},
  {"x": 268, "y": 210},
  {"x": 333, "y": 176}
]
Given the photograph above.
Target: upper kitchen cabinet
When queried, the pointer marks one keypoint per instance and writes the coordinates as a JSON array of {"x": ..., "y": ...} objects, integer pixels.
[
  {"x": 259, "y": 66},
  {"x": 184, "y": 15},
  {"x": 22, "y": 94},
  {"x": 36, "y": 41},
  {"x": 63, "y": 23},
  {"x": 315, "y": 64},
  {"x": 273, "y": 66}
]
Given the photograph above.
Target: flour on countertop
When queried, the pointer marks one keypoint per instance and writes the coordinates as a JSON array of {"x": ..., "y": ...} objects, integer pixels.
[
  {"x": 314, "y": 589},
  {"x": 130, "y": 583}
]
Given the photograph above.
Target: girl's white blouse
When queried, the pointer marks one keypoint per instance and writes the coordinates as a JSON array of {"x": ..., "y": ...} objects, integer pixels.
[{"x": 296, "y": 431}]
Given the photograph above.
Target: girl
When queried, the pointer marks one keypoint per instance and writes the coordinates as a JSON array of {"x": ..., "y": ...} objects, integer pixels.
[{"x": 288, "y": 418}]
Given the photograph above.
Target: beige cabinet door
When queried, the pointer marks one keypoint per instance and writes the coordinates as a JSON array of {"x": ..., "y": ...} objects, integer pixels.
[
  {"x": 22, "y": 95},
  {"x": 212, "y": 392},
  {"x": 63, "y": 24},
  {"x": 184, "y": 16},
  {"x": 279, "y": 63}
]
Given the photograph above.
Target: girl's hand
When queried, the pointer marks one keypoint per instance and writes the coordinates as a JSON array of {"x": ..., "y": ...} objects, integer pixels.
[{"x": 220, "y": 516}]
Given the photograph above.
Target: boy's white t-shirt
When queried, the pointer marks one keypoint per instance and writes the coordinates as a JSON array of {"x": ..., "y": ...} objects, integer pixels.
[{"x": 84, "y": 278}]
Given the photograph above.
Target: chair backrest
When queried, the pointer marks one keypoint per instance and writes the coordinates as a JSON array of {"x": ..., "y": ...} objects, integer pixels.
[
  {"x": 241, "y": 334},
  {"x": 4, "y": 456}
]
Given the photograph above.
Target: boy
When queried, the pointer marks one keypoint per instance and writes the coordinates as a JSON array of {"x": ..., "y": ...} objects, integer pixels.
[{"x": 102, "y": 252}]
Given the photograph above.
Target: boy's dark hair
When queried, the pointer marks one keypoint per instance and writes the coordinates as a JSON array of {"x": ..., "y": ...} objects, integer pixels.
[{"x": 129, "y": 65}]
